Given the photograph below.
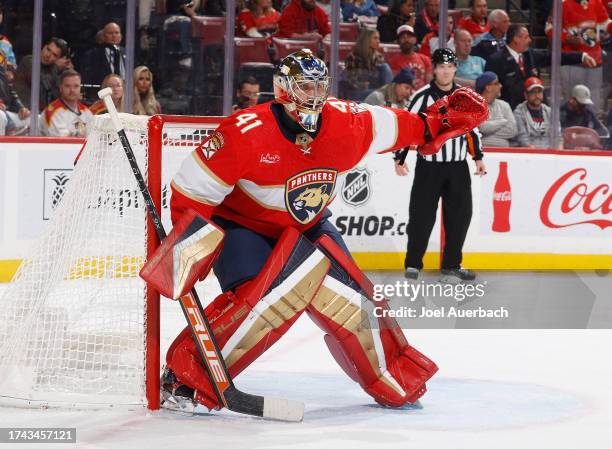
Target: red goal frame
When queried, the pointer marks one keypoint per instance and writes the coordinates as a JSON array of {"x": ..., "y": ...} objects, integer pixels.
[{"x": 155, "y": 130}]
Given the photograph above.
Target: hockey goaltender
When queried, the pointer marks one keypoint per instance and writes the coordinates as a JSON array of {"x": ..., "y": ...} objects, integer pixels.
[{"x": 265, "y": 178}]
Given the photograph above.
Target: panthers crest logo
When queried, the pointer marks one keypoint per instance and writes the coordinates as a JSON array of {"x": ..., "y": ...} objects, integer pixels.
[{"x": 308, "y": 193}]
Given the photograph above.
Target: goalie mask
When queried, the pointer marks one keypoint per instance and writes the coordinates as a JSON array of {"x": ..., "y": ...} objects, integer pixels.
[{"x": 301, "y": 84}]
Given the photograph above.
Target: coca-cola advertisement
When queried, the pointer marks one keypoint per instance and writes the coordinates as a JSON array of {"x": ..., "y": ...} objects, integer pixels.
[
  {"x": 574, "y": 200},
  {"x": 554, "y": 203},
  {"x": 502, "y": 200}
]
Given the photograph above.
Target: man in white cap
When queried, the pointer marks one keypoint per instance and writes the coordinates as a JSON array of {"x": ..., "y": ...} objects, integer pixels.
[{"x": 579, "y": 111}]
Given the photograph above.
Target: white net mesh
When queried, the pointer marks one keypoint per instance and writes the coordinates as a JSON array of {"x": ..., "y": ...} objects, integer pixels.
[{"x": 72, "y": 320}]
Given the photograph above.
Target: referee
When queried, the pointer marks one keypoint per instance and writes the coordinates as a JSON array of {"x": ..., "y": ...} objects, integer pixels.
[{"x": 444, "y": 174}]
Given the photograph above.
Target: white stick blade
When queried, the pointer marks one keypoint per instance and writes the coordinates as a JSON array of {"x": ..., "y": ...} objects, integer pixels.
[{"x": 283, "y": 409}]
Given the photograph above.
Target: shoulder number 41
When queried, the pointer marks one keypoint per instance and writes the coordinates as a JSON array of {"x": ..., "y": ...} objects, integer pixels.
[{"x": 247, "y": 122}]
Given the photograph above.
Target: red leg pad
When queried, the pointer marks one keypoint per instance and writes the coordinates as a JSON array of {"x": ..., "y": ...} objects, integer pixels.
[
  {"x": 373, "y": 351},
  {"x": 251, "y": 319}
]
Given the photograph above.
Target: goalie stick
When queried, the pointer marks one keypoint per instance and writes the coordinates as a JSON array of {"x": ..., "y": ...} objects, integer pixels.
[{"x": 220, "y": 379}]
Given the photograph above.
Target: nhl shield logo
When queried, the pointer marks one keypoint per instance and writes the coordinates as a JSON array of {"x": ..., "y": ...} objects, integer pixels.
[
  {"x": 356, "y": 190},
  {"x": 308, "y": 192}
]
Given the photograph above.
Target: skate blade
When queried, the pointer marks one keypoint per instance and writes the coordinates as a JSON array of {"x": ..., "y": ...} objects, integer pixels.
[
  {"x": 177, "y": 404},
  {"x": 408, "y": 406}
]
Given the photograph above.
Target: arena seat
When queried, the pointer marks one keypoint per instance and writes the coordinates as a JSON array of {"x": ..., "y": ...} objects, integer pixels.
[
  {"x": 250, "y": 49},
  {"x": 210, "y": 30},
  {"x": 389, "y": 50},
  {"x": 579, "y": 138},
  {"x": 286, "y": 46},
  {"x": 344, "y": 48},
  {"x": 348, "y": 31}
]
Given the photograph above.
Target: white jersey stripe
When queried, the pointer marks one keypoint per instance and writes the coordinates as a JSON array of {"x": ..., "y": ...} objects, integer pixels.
[
  {"x": 196, "y": 180},
  {"x": 384, "y": 125},
  {"x": 270, "y": 197},
  {"x": 273, "y": 197},
  {"x": 191, "y": 195}
]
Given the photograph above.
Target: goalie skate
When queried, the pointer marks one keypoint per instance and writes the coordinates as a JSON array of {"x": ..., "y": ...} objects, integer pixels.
[{"x": 175, "y": 396}]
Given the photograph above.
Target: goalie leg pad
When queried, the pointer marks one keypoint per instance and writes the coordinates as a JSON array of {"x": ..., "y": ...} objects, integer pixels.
[
  {"x": 185, "y": 256},
  {"x": 372, "y": 351},
  {"x": 249, "y": 320}
]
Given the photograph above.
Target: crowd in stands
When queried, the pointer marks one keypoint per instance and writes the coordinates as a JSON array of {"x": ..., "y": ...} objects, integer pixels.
[{"x": 387, "y": 57}]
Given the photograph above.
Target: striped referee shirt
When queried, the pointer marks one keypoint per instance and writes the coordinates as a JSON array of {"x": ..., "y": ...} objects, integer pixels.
[{"x": 455, "y": 149}]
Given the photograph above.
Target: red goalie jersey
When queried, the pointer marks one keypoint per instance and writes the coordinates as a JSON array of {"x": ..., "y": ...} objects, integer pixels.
[{"x": 253, "y": 172}]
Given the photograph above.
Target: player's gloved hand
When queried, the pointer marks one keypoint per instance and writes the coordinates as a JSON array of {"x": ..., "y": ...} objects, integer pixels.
[{"x": 452, "y": 116}]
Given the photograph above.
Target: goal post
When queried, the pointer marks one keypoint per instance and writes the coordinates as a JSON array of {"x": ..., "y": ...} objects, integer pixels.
[
  {"x": 160, "y": 137},
  {"x": 78, "y": 327}
]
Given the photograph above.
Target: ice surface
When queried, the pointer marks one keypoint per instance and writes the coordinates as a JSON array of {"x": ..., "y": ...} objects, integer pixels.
[{"x": 495, "y": 389}]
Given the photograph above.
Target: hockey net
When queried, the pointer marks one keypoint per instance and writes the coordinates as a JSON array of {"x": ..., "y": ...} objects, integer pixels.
[{"x": 78, "y": 327}]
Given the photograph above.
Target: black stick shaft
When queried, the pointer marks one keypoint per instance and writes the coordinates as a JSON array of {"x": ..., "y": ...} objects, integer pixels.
[{"x": 159, "y": 228}]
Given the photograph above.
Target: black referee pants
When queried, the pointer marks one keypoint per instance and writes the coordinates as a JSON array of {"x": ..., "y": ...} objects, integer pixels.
[{"x": 432, "y": 180}]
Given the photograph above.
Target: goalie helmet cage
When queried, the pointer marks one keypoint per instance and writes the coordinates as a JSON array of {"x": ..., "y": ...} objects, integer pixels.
[{"x": 78, "y": 327}]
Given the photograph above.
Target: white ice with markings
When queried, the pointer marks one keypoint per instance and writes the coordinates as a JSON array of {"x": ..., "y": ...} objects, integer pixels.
[{"x": 495, "y": 389}]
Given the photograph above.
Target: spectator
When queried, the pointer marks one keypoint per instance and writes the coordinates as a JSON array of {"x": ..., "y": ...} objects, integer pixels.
[
  {"x": 517, "y": 62},
  {"x": 431, "y": 42},
  {"x": 214, "y": 8},
  {"x": 365, "y": 67},
  {"x": 578, "y": 111},
  {"x": 247, "y": 93},
  {"x": 533, "y": 116},
  {"x": 260, "y": 19},
  {"x": 326, "y": 5},
  {"x": 144, "y": 101},
  {"x": 5, "y": 45},
  {"x": 427, "y": 20},
  {"x": 145, "y": 11},
  {"x": 401, "y": 12},
  {"x": 14, "y": 116},
  {"x": 304, "y": 19},
  {"x": 495, "y": 39},
  {"x": 116, "y": 84},
  {"x": 476, "y": 23},
  {"x": 99, "y": 38},
  {"x": 108, "y": 58},
  {"x": 396, "y": 93},
  {"x": 353, "y": 9},
  {"x": 178, "y": 23},
  {"x": 500, "y": 127},
  {"x": 49, "y": 73},
  {"x": 67, "y": 116},
  {"x": 418, "y": 63},
  {"x": 583, "y": 25},
  {"x": 64, "y": 63},
  {"x": 468, "y": 67}
]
